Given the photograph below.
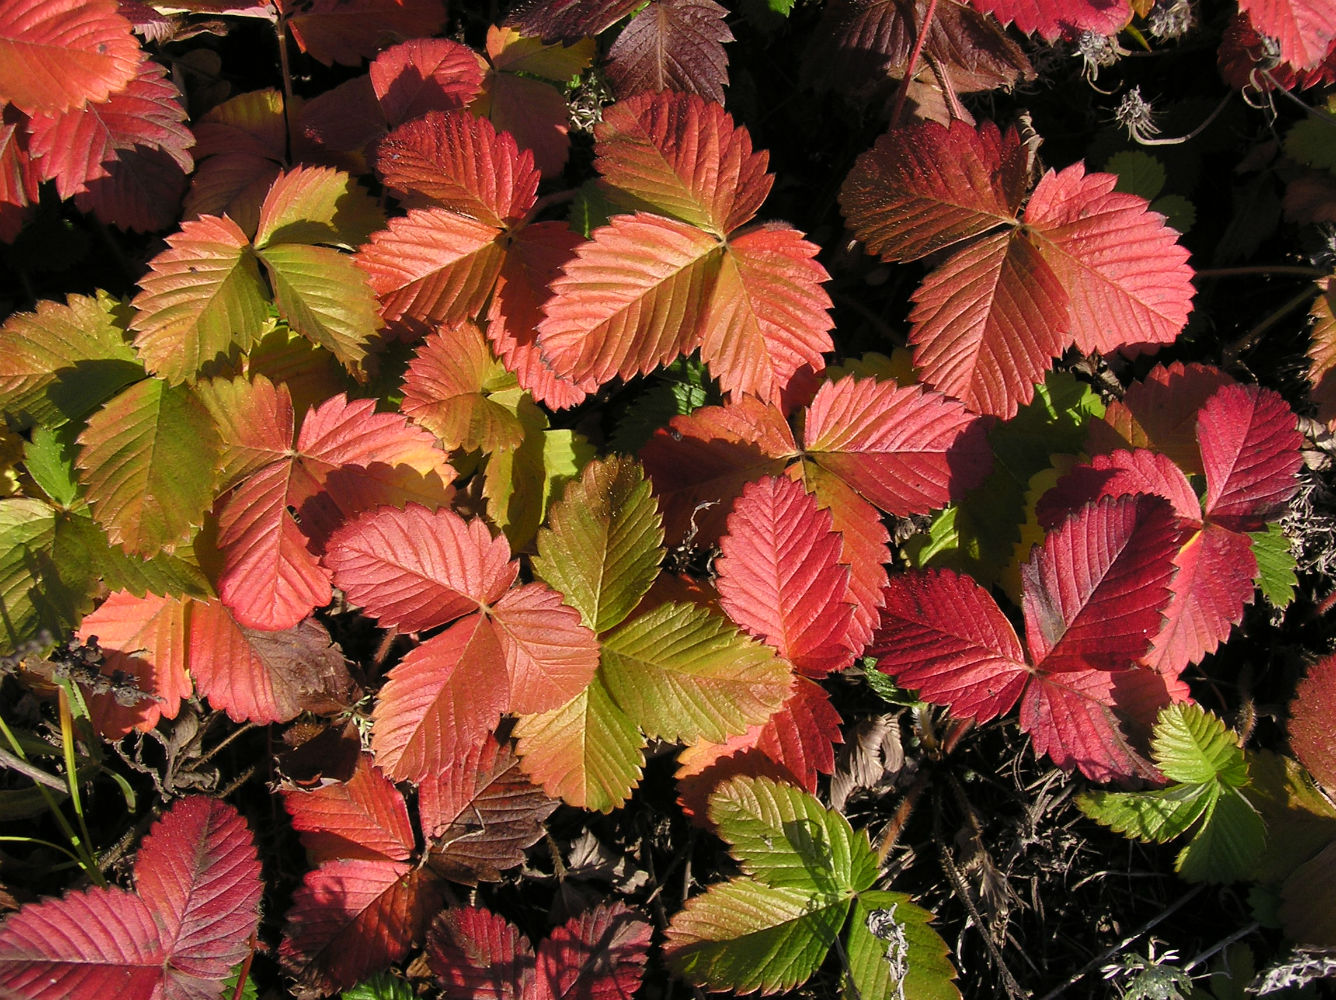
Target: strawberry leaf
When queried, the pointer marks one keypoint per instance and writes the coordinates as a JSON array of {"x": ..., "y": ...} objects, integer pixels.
[
  {"x": 1250, "y": 451},
  {"x": 58, "y": 54},
  {"x": 672, "y": 45},
  {"x": 147, "y": 458},
  {"x": 424, "y": 75},
  {"x": 1310, "y": 716},
  {"x": 599, "y": 954},
  {"x": 567, "y": 20},
  {"x": 311, "y": 205},
  {"x": 1052, "y": 19},
  {"x": 779, "y": 576},
  {"x": 480, "y": 955},
  {"x": 348, "y": 31},
  {"x": 550, "y": 654},
  {"x": 1301, "y": 27},
  {"x": 601, "y": 546},
  {"x": 892, "y": 949},
  {"x": 364, "y": 818}
]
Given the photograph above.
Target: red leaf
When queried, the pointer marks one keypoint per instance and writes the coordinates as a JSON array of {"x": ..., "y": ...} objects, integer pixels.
[
  {"x": 567, "y": 20},
  {"x": 414, "y": 569},
  {"x": 125, "y": 160},
  {"x": 351, "y": 918},
  {"x": 1243, "y": 54},
  {"x": 1095, "y": 590},
  {"x": 433, "y": 265},
  {"x": 682, "y": 156},
  {"x": 1311, "y": 712},
  {"x": 533, "y": 111},
  {"x": 1305, "y": 29},
  {"x": 1116, "y": 475},
  {"x": 82, "y": 947},
  {"x": 944, "y": 636},
  {"x": 988, "y": 322},
  {"x": 1160, "y": 413},
  {"x": 19, "y": 179},
  {"x": 1125, "y": 273},
  {"x": 599, "y": 955},
  {"x": 551, "y": 655},
  {"x": 1060, "y": 18},
  {"x": 456, "y": 161},
  {"x": 479, "y": 955},
  {"x": 198, "y": 872},
  {"x": 672, "y": 45},
  {"x": 58, "y": 54},
  {"x": 906, "y": 449},
  {"x": 536, "y": 253},
  {"x": 348, "y": 31},
  {"x": 779, "y": 577},
  {"x": 925, "y": 187},
  {"x": 363, "y": 818},
  {"x": 422, "y": 75},
  {"x": 1250, "y": 451},
  {"x": 482, "y": 814},
  {"x": 444, "y": 697},
  {"x": 1079, "y": 719}
]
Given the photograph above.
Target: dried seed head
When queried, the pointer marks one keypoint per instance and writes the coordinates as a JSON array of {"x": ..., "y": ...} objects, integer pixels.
[
  {"x": 1135, "y": 114},
  {"x": 1172, "y": 19}
]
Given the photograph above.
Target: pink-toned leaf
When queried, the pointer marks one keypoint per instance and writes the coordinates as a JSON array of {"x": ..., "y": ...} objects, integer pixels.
[
  {"x": 19, "y": 178},
  {"x": 1081, "y": 719},
  {"x": 672, "y": 45},
  {"x": 1095, "y": 590},
  {"x": 422, "y": 75},
  {"x": 1311, "y": 712},
  {"x": 481, "y": 815},
  {"x": 58, "y": 54},
  {"x": 145, "y": 638},
  {"x": 348, "y": 31},
  {"x": 780, "y": 579},
  {"x": 906, "y": 449},
  {"x": 683, "y": 156},
  {"x": 433, "y": 265},
  {"x": 1250, "y": 450},
  {"x": 125, "y": 159},
  {"x": 988, "y": 322},
  {"x": 631, "y": 300},
  {"x": 1160, "y": 413},
  {"x": 83, "y": 947},
  {"x": 1123, "y": 269},
  {"x": 256, "y": 421},
  {"x": 479, "y": 955},
  {"x": 414, "y": 569},
  {"x": 599, "y": 955},
  {"x": 198, "y": 872},
  {"x": 533, "y": 111},
  {"x": 457, "y": 161},
  {"x": 364, "y": 817},
  {"x": 1305, "y": 29},
  {"x": 567, "y": 20},
  {"x": 443, "y": 697},
  {"x": 536, "y": 253},
  {"x": 944, "y": 636},
  {"x": 767, "y": 318},
  {"x": 927, "y": 186},
  {"x": 352, "y": 918},
  {"x": 1115, "y": 475},
  {"x": 1052, "y": 19},
  {"x": 551, "y": 655}
]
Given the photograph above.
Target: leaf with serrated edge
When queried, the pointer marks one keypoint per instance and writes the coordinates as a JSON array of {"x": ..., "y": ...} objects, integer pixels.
[
  {"x": 907, "y": 945},
  {"x": 414, "y": 569},
  {"x": 1229, "y": 843},
  {"x": 476, "y": 953},
  {"x": 424, "y": 75},
  {"x": 1192, "y": 745},
  {"x": 57, "y": 54},
  {"x": 363, "y": 817},
  {"x": 681, "y": 155},
  {"x": 1250, "y": 449},
  {"x": 599, "y": 953},
  {"x": 1311, "y": 712},
  {"x": 202, "y": 297},
  {"x": 1159, "y": 815},
  {"x": 36, "y": 591},
  {"x": 335, "y": 31},
  {"x": 511, "y": 52},
  {"x": 147, "y": 459},
  {"x": 752, "y": 937},
  {"x": 779, "y": 575},
  {"x": 551, "y": 655},
  {"x": 588, "y": 752},
  {"x": 675, "y": 45},
  {"x": 1126, "y": 274},
  {"x": 1095, "y": 590},
  {"x": 312, "y": 205},
  {"x": 785, "y": 838},
  {"x": 601, "y": 544},
  {"x": 255, "y": 419},
  {"x": 1052, "y": 19},
  {"x": 1302, "y": 28},
  {"x": 926, "y": 187},
  {"x": 683, "y": 673}
]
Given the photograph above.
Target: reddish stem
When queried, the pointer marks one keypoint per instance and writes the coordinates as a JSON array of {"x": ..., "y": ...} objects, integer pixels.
[{"x": 913, "y": 62}]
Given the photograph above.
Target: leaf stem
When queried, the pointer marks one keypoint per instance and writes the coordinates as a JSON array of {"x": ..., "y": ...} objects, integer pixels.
[
  {"x": 903, "y": 93},
  {"x": 289, "y": 107},
  {"x": 1176, "y": 140}
]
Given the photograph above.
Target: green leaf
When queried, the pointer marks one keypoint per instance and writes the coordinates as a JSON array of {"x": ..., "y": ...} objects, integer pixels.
[
  {"x": 1312, "y": 141},
  {"x": 786, "y": 838},
  {"x": 381, "y": 986},
  {"x": 80, "y": 541},
  {"x": 249, "y": 991},
  {"x": 882, "y": 685},
  {"x": 325, "y": 297},
  {"x": 49, "y": 459},
  {"x": 1192, "y": 745},
  {"x": 1228, "y": 845},
  {"x": 63, "y": 361},
  {"x": 905, "y": 957},
  {"x": 680, "y": 387},
  {"x": 1138, "y": 173},
  {"x": 1276, "y": 577},
  {"x": 37, "y": 591},
  {"x": 748, "y": 936},
  {"x": 1158, "y": 816},
  {"x": 317, "y": 205},
  {"x": 147, "y": 461},
  {"x": 684, "y": 673},
  {"x": 1177, "y": 210},
  {"x": 601, "y": 546}
]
